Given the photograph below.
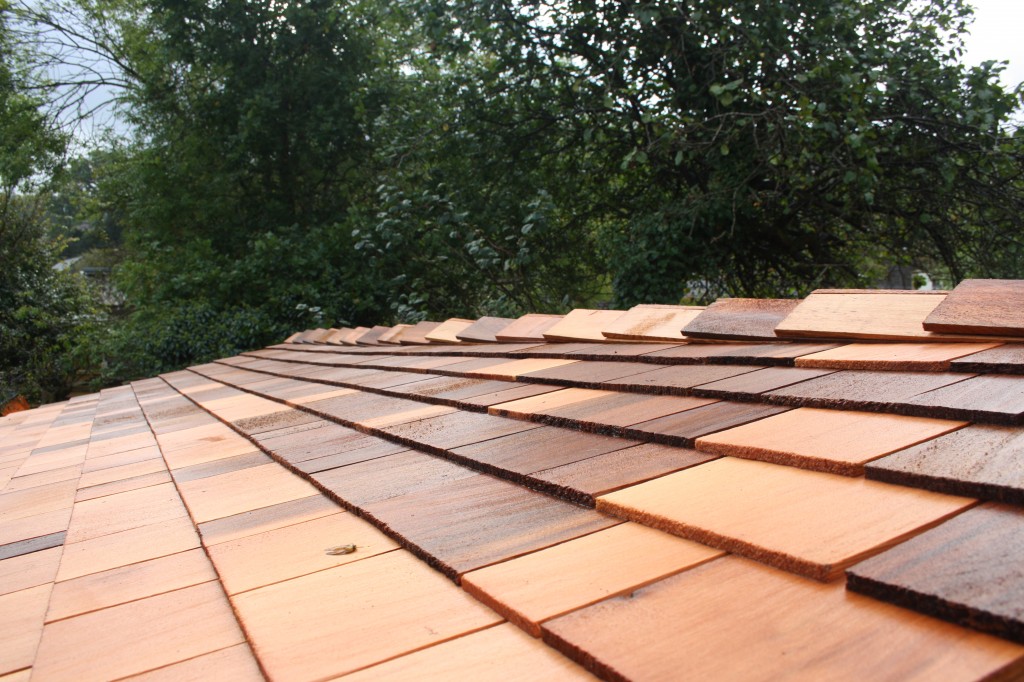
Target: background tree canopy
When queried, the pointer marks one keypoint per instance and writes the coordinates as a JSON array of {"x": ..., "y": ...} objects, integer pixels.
[{"x": 343, "y": 162}]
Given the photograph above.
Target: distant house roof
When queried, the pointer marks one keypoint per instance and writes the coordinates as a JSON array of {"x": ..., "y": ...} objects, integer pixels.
[{"x": 822, "y": 489}]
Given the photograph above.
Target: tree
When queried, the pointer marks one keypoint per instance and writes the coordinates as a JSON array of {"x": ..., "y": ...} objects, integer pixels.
[
  {"x": 473, "y": 216},
  {"x": 43, "y": 312},
  {"x": 748, "y": 147}
]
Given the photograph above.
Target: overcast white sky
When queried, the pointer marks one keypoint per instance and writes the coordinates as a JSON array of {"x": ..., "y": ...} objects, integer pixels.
[{"x": 997, "y": 34}]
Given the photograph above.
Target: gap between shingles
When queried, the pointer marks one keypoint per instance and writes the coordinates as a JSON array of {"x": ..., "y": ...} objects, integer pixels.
[
  {"x": 191, "y": 658},
  {"x": 415, "y": 650},
  {"x": 904, "y": 408},
  {"x": 319, "y": 570},
  {"x": 376, "y": 433},
  {"x": 403, "y": 541},
  {"x": 129, "y": 601},
  {"x": 142, "y": 487},
  {"x": 234, "y": 611}
]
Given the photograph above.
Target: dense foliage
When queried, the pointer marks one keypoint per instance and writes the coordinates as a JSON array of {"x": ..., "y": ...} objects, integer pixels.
[
  {"x": 44, "y": 313},
  {"x": 332, "y": 162}
]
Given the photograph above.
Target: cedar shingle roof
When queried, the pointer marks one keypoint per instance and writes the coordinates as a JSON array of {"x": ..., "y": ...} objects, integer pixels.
[{"x": 838, "y": 500}]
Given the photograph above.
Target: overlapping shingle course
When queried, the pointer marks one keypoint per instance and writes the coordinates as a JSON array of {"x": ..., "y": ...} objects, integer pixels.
[{"x": 556, "y": 482}]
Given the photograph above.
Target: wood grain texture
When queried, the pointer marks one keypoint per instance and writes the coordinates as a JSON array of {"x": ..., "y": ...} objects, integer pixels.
[
  {"x": 364, "y": 483},
  {"x": 611, "y": 351},
  {"x": 902, "y": 357},
  {"x": 1006, "y": 359},
  {"x": 996, "y": 398},
  {"x": 652, "y": 323},
  {"x": 446, "y": 331},
  {"x": 242, "y": 491},
  {"x": 124, "y": 511},
  {"x": 336, "y": 621},
  {"x": 21, "y": 625},
  {"x": 545, "y": 584},
  {"x": 732, "y": 619},
  {"x": 543, "y": 448},
  {"x": 864, "y": 390},
  {"x": 750, "y": 385},
  {"x": 266, "y": 519},
  {"x": 883, "y": 316},
  {"x": 503, "y": 653},
  {"x": 454, "y": 430},
  {"x": 35, "y": 542},
  {"x": 838, "y": 442},
  {"x": 127, "y": 547},
  {"x": 138, "y": 636},
  {"x": 969, "y": 570},
  {"x": 781, "y": 354},
  {"x": 373, "y": 336},
  {"x": 448, "y": 387},
  {"x": 586, "y": 374},
  {"x": 587, "y": 478},
  {"x": 677, "y": 379},
  {"x": 235, "y": 663},
  {"x": 611, "y": 414},
  {"x": 417, "y": 334},
  {"x": 530, "y": 327},
  {"x": 129, "y": 583},
  {"x": 561, "y": 350},
  {"x": 285, "y": 553},
  {"x": 480, "y": 520},
  {"x": 394, "y": 335},
  {"x": 746, "y": 319},
  {"x": 514, "y": 391},
  {"x": 484, "y": 330},
  {"x": 352, "y": 336},
  {"x": 513, "y": 369},
  {"x": 23, "y": 571},
  {"x": 683, "y": 428},
  {"x": 806, "y": 522},
  {"x": 979, "y": 461},
  {"x": 981, "y": 306},
  {"x": 583, "y": 325}
]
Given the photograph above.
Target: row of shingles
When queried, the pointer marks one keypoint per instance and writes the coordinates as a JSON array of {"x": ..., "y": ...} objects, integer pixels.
[
  {"x": 1006, "y": 521},
  {"x": 523, "y": 590},
  {"x": 17, "y": 443},
  {"x": 546, "y": 582},
  {"x": 967, "y": 569},
  {"x": 289, "y": 593},
  {"x": 572, "y": 465},
  {"x": 997, "y": 399},
  {"x": 133, "y": 594},
  {"x": 963, "y": 358},
  {"x": 958, "y": 437},
  {"x": 582, "y": 638},
  {"x": 822, "y": 439},
  {"x": 640, "y": 556},
  {"x": 476, "y": 519},
  {"x": 667, "y": 420},
  {"x": 892, "y": 315},
  {"x": 904, "y": 316},
  {"x": 548, "y": 598},
  {"x": 688, "y": 502},
  {"x": 979, "y": 461},
  {"x": 833, "y": 314},
  {"x": 806, "y": 437},
  {"x": 774, "y": 354},
  {"x": 46, "y": 445},
  {"x": 893, "y": 513},
  {"x": 807, "y": 440},
  {"x": 896, "y": 315}
]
